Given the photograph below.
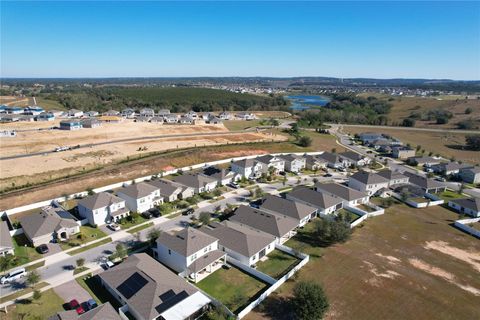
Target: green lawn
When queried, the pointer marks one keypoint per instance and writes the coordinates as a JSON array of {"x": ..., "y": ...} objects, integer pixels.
[
  {"x": 304, "y": 241},
  {"x": 365, "y": 208},
  {"x": 87, "y": 234},
  {"x": 49, "y": 304},
  {"x": 235, "y": 125},
  {"x": 232, "y": 287},
  {"x": 90, "y": 246},
  {"x": 93, "y": 287},
  {"x": 79, "y": 270},
  {"x": 50, "y": 104},
  {"x": 140, "y": 228},
  {"x": 35, "y": 266},
  {"x": 450, "y": 195},
  {"x": 277, "y": 264},
  {"x": 22, "y": 292},
  {"x": 125, "y": 223},
  {"x": 24, "y": 252}
]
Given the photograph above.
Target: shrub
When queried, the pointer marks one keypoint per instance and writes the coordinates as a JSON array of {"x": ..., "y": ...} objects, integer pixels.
[
  {"x": 309, "y": 301},
  {"x": 305, "y": 141}
]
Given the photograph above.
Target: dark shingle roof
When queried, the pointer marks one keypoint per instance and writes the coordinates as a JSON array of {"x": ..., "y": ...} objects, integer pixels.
[
  {"x": 194, "y": 180},
  {"x": 46, "y": 222},
  {"x": 286, "y": 207},
  {"x": 5, "y": 238},
  {"x": 138, "y": 190},
  {"x": 166, "y": 187},
  {"x": 369, "y": 177},
  {"x": 99, "y": 200},
  {"x": 391, "y": 175},
  {"x": 340, "y": 191},
  {"x": 186, "y": 241},
  {"x": 317, "y": 199},
  {"x": 470, "y": 203},
  {"x": 423, "y": 182}
]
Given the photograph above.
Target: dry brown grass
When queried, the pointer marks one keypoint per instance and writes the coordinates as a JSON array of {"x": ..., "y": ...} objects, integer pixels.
[
  {"x": 446, "y": 144},
  {"x": 373, "y": 276}
]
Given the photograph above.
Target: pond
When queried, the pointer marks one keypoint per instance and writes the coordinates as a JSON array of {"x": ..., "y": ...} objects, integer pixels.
[{"x": 305, "y": 102}]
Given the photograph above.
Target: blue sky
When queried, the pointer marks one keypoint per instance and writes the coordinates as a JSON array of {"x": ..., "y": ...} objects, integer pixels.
[{"x": 162, "y": 39}]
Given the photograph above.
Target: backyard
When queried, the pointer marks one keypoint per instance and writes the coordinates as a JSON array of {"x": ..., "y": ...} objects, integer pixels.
[
  {"x": 232, "y": 287},
  {"x": 277, "y": 264},
  {"x": 450, "y": 195},
  {"x": 389, "y": 269},
  {"x": 24, "y": 252}
]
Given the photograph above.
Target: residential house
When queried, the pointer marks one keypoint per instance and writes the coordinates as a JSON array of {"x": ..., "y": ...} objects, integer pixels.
[
  {"x": 140, "y": 197},
  {"x": 102, "y": 208},
  {"x": 369, "y": 182},
  {"x": 45, "y": 116},
  {"x": 394, "y": 178},
  {"x": 157, "y": 119},
  {"x": 171, "y": 118},
  {"x": 51, "y": 224},
  {"x": 294, "y": 163},
  {"x": 186, "y": 120},
  {"x": 281, "y": 226},
  {"x": 128, "y": 113},
  {"x": 14, "y": 110},
  {"x": 27, "y": 118},
  {"x": 225, "y": 115},
  {"x": 325, "y": 203},
  {"x": 369, "y": 137},
  {"x": 247, "y": 168},
  {"x": 470, "y": 206},
  {"x": 171, "y": 191},
  {"x": 191, "y": 114},
  {"x": 245, "y": 116},
  {"x": 8, "y": 133},
  {"x": 223, "y": 176},
  {"x": 91, "y": 123},
  {"x": 199, "y": 182},
  {"x": 243, "y": 243},
  {"x": 33, "y": 110},
  {"x": 149, "y": 291},
  {"x": 112, "y": 112},
  {"x": 426, "y": 184},
  {"x": 314, "y": 163},
  {"x": 163, "y": 112},
  {"x": 355, "y": 158},
  {"x": 143, "y": 118},
  {"x": 70, "y": 125},
  {"x": 288, "y": 207},
  {"x": 147, "y": 112},
  {"x": 423, "y": 161},
  {"x": 190, "y": 252},
  {"x": 4, "y": 117},
  {"x": 214, "y": 120},
  {"x": 207, "y": 116},
  {"x": 270, "y": 162},
  {"x": 91, "y": 113},
  {"x": 449, "y": 168},
  {"x": 402, "y": 152},
  {"x": 102, "y": 312},
  {"x": 333, "y": 160},
  {"x": 350, "y": 197},
  {"x": 74, "y": 113},
  {"x": 6, "y": 243},
  {"x": 470, "y": 175}
]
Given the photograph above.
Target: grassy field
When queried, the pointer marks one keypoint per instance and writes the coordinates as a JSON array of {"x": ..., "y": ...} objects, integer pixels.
[
  {"x": 140, "y": 228},
  {"x": 24, "y": 252},
  {"x": 87, "y": 234},
  {"x": 90, "y": 246},
  {"x": 235, "y": 125},
  {"x": 20, "y": 293},
  {"x": 406, "y": 264},
  {"x": 50, "y": 104},
  {"x": 446, "y": 144},
  {"x": 277, "y": 264},
  {"x": 49, "y": 304},
  {"x": 450, "y": 195},
  {"x": 232, "y": 287}
]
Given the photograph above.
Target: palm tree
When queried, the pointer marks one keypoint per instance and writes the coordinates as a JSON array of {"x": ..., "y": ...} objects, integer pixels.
[{"x": 33, "y": 278}]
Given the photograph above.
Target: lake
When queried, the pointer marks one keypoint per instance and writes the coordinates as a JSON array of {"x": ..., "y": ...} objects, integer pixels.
[{"x": 302, "y": 102}]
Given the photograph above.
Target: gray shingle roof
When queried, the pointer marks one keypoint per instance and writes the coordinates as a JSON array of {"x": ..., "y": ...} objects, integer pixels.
[
  {"x": 193, "y": 180},
  {"x": 162, "y": 288},
  {"x": 102, "y": 312},
  {"x": 423, "y": 182},
  {"x": 317, "y": 199},
  {"x": 267, "y": 159},
  {"x": 5, "y": 238},
  {"x": 351, "y": 155},
  {"x": 470, "y": 203},
  {"x": 245, "y": 240},
  {"x": 186, "y": 241},
  {"x": 329, "y": 157},
  {"x": 46, "y": 222},
  {"x": 293, "y": 209},
  {"x": 138, "y": 190},
  {"x": 273, "y": 224},
  {"x": 205, "y": 260},
  {"x": 391, "y": 175},
  {"x": 369, "y": 177},
  {"x": 99, "y": 200},
  {"x": 340, "y": 191},
  {"x": 245, "y": 163},
  {"x": 291, "y": 157},
  {"x": 167, "y": 187}
]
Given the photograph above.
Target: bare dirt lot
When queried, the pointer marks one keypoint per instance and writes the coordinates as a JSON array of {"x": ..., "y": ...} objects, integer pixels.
[{"x": 407, "y": 264}]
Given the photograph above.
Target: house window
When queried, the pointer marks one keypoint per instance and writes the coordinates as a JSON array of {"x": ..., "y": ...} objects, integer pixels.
[{"x": 169, "y": 251}]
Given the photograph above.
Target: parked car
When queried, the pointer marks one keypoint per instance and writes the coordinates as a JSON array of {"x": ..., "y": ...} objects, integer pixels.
[
  {"x": 114, "y": 226},
  {"x": 13, "y": 276},
  {"x": 188, "y": 212},
  {"x": 327, "y": 175},
  {"x": 234, "y": 185},
  {"x": 147, "y": 214},
  {"x": 440, "y": 179},
  {"x": 74, "y": 305},
  {"x": 155, "y": 212},
  {"x": 91, "y": 304},
  {"x": 43, "y": 248}
]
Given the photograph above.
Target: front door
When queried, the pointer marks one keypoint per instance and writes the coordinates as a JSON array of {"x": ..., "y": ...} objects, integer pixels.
[{"x": 261, "y": 254}]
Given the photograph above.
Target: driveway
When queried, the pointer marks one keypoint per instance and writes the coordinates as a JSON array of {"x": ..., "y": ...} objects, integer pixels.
[{"x": 72, "y": 290}]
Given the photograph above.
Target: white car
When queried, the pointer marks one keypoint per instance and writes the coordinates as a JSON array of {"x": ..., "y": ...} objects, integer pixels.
[
  {"x": 13, "y": 275},
  {"x": 114, "y": 226},
  {"x": 234, "y": 185}
]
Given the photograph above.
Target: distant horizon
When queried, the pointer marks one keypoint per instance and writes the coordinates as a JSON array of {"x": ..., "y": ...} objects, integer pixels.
[{"x": 153, "y": 39}]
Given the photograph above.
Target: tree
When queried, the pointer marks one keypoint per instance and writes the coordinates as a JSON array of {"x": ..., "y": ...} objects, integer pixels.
[
  {"x": 294, "y": 130},
  {"x": 258, "y": 192},
  {"x": 153, "y": 235},
  {"x": 309, "y": 301},
  {"x": 33, "y": 278},
  {"x": 305, "y": 141},
  {"x": 205, "y": 217},
  {"x": 6, "y": 262},
  {"x": 120, "y": 250},
  {"x": 80, "y": 262},
  {"x": 333, "y": 231},
  {"x": 217, "y": 192},
  {"x": 90, "y": 191},
  {"x": 461, "y": 188},
  {"x": 334, "y": 150},
  {"x": 468, "y": 110},
  {"x": 473, "y": 141},
  {"x": 36, "y": 295},
  {"x": 408, "y": 122}
]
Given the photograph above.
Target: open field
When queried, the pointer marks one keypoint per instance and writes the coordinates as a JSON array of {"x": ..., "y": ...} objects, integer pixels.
[
  {"x": 446, "y": 144},
  {"x": 402, "y": 107},
  {"x": 16, "y": 101},
  {"x": 55, "y": 183},
  {"x": 232, "y": 287},
  {"x": 406, "y": 264}
]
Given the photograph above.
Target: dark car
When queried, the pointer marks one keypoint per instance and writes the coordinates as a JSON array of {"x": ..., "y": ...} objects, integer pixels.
[
  {"x": 147, "y": 214},
  {"x": 74, "y": 305},
  {"x": 188, "y": 212},
  {"x": 91, "y": 304},
  {"x": 43, "y": 248},
  {"x": 327, "y": 175},
  {"x": 155, "y": 212}
]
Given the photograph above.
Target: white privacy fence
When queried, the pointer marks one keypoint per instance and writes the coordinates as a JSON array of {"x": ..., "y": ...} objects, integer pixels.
[
  {"x": 464, "y": 225},
  {"x": 140, "y": 179},
  {"x": 364, "y": 215}
]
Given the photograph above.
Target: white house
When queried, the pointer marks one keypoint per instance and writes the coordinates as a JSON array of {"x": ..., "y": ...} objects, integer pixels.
[
  {"x": 245, "y": 116},
  {"x": 290, "y": 208},
  {"x": 395, "y": 178},
  {"x": 240, "y": 242},
  {"x": 102, "y": 208},
  {"x": 470, "y": 175},
  {"x": 191, "y": 252},
  {"x": 223, "y": 176},
  {"x": 6, "y": 243},
  {"x": 368, "y": 182},
  {"x": 268, "y": 161},
  {"x": 294, "y": 163},
  {"x": 247, "y": 168},
  {"x": 147, "y": 112},
  {"x": 348, "y": 196},
  {"x": 325, "y": 203},
  {"x": 140, "y": 197},
  {"x": 355, "y": 158},
  {"x": 74, "y": 113},
  {"x": 199, "y": 182},
  {"x": 470, "y": 206}
]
